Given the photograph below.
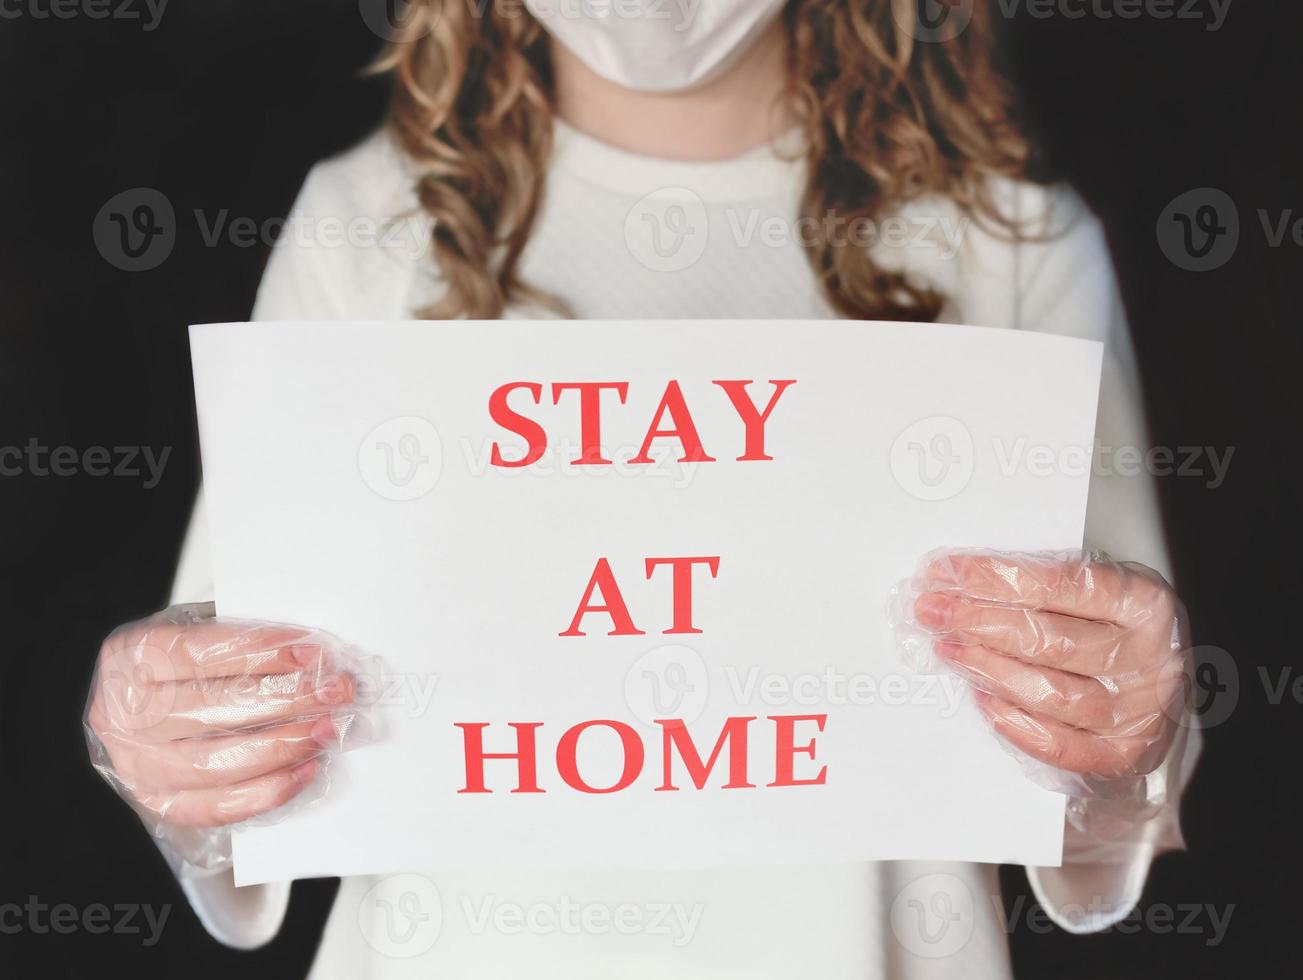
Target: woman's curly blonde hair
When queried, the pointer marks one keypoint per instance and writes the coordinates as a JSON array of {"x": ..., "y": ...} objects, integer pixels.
[{"x": 886, "y": 118}]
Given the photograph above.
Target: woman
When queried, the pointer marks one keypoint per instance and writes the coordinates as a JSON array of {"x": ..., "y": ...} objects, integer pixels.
[{"x": 615, "y": 161}]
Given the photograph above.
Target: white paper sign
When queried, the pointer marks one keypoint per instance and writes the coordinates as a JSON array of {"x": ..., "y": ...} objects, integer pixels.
[{"x": 359, "y": 479}]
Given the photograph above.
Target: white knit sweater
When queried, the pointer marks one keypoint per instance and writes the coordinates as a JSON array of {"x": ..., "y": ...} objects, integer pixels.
[{"x": 713, "y": 239}]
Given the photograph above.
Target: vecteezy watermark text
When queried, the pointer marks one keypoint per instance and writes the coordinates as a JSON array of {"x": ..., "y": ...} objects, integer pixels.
[
  {"x": 1211, "y": 13},
  {"x": 148, "y": 12},
  {"x": 137, "y": 230},
  {"x": 64, "y": 918},
  {"x": 675, "y": 921},
  {"x": 834, "y": 686},
  {"x": 934, "y": 458},
  {"x": 37, "y": 459}
]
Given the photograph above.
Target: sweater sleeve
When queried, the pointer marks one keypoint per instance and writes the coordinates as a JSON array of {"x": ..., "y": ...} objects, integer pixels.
[
  {"x": 307, "y": 278},
  {"x": 1066, "y": 285},
  {"x": 244, "y": 918}
]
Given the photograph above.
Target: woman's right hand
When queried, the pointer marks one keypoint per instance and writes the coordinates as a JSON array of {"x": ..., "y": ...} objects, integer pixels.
[{"x": 200, "y": 723}]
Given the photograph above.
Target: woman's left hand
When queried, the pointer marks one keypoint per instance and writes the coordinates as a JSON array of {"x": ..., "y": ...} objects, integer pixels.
[{"x": 1077, "y": 662}]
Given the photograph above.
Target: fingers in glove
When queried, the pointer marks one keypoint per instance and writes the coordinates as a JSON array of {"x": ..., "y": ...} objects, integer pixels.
[
  {"x": 201, "y": 763},
  {"x": 1102, "y": 705},
  {"x": 196, "y": 708},
  {"x": 1078, "y": 646},
  {"x": 1087, "y": 590},
  {"x": 219, "y": 806},
  {"x": 165, "y": 711},
  {"x": 1073, "y": 749},
  {"x": 156, "y": 652}
]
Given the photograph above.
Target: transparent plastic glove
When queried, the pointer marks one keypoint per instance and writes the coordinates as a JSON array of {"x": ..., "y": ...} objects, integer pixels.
[
  {"x": 1079, "y": 663},
  {"x": 200, "y": 723}
]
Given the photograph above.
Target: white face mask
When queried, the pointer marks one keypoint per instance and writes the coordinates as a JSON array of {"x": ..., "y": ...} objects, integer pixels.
[{"x": 655, "y": 45}]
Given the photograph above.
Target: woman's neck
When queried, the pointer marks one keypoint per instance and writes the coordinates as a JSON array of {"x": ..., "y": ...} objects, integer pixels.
[{"x": 737, "y": 111}]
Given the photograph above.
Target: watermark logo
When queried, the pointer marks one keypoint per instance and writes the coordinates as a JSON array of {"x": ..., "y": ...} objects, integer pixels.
[
  {"x": 401, "y": 459},
  {"x": 1209, "y": 685},
  {"x": 1199, "y": 230},
  {"x": 135, "y": 231},
  {"x": 137, "y": 687},
  {"x": 932, "y": 20},
  {"x": 36, "y": 459},
  {"x": 681, "y": 13},
  {"x": 402, "y": 916},
  {"x": 1157, "y": 919},
  {"x": 835, "y": 687},
  {"x": 63, "y": 919},
  {"x": 1211, "y": 13},
  {"x": 1207, "y": 463},
  {"x": 559, "y": 460},
  {"x": 667, "y": 682},
  {"x": 411, "y": 693},
  {"x": 933, "y": 458},
  {"x": 667, "y": 230},
  {"x": 148, "y": 13},
  {"x": 933, "y": 916},
  {"x": 391, "y": 20},
  {"x": 941, "y": 233},
  {"x": 675, "y": 921}
]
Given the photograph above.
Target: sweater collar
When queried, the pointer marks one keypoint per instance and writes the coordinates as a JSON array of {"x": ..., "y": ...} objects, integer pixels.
[{"x": 767, "y": 171}]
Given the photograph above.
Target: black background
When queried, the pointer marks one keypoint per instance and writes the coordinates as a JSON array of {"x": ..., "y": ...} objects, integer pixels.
[{"x": 225, "y": 105}]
